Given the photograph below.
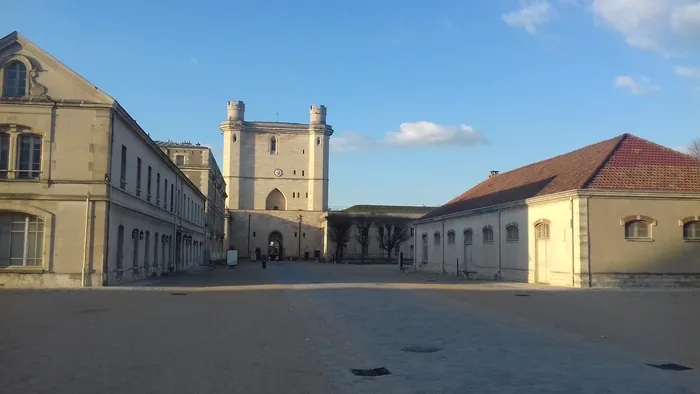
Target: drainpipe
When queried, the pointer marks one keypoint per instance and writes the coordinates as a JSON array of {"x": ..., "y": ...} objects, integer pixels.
[
  {"x": 85, "y": 242},
  {"x": 248, "y": 236},
  {"x": 299, "y": 237},
  {"x": 500, "y": 243},
  {"x": 588, "y": 236},
  {"x": 442, "y": 241},
  {"x": 571, "y": 226}
]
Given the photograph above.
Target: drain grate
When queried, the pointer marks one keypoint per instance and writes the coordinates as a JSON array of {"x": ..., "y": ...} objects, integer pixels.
[
  {"x": 178, "y": 293},
  {"x": 421, "y": 349},
  {"x": 670, "y": 367},
  {"x": 371, "y": 372},
  {"x": 522, "y": 295}
]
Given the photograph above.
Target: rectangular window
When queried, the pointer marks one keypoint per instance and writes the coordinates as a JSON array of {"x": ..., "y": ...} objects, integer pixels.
[
  {"x": 4, "y": 155},
  {"x": 180, "y": 160},
  {"x": 158, "y": 188},
  {"x": 122, "y": 177},
  {"x": 172, "y": 191},
  {"x": 165, "y": 195},
  {"x": 21, "y": 239},
  {"x": 29, "y": 156},
  {"x": 148, "y": 184},
  {"x": 138, "y": 176}
]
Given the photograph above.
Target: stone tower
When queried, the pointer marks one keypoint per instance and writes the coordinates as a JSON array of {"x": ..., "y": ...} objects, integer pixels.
[{"x": 274, "y": 165}]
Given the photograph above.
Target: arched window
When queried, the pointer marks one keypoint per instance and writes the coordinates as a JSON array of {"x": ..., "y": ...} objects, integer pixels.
[
  {"x": 468, "y": 237},
  {"x": 29, "y": 156},
  {"x": 424, "y": 250},
  {"x": 21, "y": 239},
  {"x": 542, "y": 230},
  {"x": 451, "y": 237},
  {"x": 691, "y": 231},
  {"x": 487, "y": 232},
  {"x": 4, "y": 154},
  {"x": 120, "y": 247},
  {"x": 318, "y": 140},
  {"x": 512, "y": 232},
  {"x": 637, "y": 229},
  {"x": 147, "y": 250},
  {"x": 276, "y": 201},
  {"x": 436, "y": 238},
  {"x": 15, "y": 81},
  {"x": 273, "y": 145},
  {"x": 135, "y": 249},
  {"x": 155, "y": 250},
  {"x": 235, "y": 138}
]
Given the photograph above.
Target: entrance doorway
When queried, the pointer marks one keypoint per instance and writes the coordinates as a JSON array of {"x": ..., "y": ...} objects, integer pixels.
[
  {"x": 541, "y": 246},
  {"x": 274, "y": 244},
  {"x": 468, "y": 237}
]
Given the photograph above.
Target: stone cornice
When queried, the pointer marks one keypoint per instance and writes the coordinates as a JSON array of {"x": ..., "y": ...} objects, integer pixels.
[{"x": 276, "y": 128}]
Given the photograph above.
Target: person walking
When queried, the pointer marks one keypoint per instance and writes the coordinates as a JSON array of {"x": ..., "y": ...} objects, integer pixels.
[{"x": 264, "y": 261}]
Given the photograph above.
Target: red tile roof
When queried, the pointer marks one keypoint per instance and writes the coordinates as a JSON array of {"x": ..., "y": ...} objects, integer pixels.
[{"x": 625, "y": 162}]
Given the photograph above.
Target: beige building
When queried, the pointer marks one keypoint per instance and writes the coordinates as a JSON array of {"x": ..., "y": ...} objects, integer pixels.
[
  {"x": 622, "y": 212},
  {"x": 198, "y": 163},
  {"x": 276, "y": 177},
  {"x": 373, "y": 219},
  {"x": 86, "y": 197}
]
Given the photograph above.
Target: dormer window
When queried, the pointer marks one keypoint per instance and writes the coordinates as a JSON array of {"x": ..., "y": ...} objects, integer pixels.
[
  {"x": 273, "y": 145},
  {"x": 14, "y": 83}
]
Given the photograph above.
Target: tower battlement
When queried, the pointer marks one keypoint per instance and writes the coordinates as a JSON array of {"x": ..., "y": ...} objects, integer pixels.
[
  {"x": 235, "y": 110},
  {"x": 317, "y": 114}
]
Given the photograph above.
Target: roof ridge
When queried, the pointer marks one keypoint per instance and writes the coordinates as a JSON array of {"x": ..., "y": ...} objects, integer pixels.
[{"x": 605, "y": 160}]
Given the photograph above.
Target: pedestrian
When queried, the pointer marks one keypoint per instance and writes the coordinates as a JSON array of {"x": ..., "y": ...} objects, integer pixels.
[{"x": 264, "y": 261}]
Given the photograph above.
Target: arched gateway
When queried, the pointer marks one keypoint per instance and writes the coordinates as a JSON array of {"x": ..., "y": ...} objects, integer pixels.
[{"x": 275, "y": 247}]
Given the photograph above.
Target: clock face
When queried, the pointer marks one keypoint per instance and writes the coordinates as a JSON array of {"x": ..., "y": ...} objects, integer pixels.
[{"x": 278, "y": 172}]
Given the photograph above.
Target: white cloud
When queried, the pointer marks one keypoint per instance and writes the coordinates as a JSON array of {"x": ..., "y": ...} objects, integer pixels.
[
  {"x": 532, "y": 14},
  {"x": 685, "y": 20},
  {"x": 640, "y": 87},
  {"x": 687, "y": 72},
  {"x": 351, "y": 141},
  {"x": 650, "y": 24},
  {"x": 425, "y": 133}
]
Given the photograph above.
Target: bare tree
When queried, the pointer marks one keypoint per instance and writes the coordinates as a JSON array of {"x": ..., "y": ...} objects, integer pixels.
[
  {"x": 339, "y": 233},
  {"x": 363, "y": 225},
  {"x": 694, "y": 148},
  {"x": 391, "y": 234}
]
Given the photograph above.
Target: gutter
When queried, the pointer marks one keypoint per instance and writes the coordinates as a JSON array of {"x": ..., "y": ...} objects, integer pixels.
[{"x": 85, "y": 242}]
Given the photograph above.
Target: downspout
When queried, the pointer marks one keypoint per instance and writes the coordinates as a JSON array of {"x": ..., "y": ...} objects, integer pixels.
[
  {"x": 85, "y": 242},
  {"x": 500, "y": 243},
  {"x": 442, "y": 241},
  {"x": 588, "y": 235},
  {"x": 108, "y": 176},
  {"x": 248, "y": 236},
  {"x": 299, "y": 247},
  {"x": 571, "y": 225}
]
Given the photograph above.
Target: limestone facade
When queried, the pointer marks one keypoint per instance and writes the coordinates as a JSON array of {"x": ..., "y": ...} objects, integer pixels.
[
  {"x": 197, "y": 162},
  {"x": 80, "y": 201},
  {"x": 276, "y": 177}
]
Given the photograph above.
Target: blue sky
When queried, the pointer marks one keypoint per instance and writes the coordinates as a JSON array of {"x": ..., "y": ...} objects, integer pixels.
[{"x": 425, "y": 97}]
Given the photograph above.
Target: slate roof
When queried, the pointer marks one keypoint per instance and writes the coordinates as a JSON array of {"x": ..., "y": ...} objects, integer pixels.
[
  {"x": 625, "y": 162},
  {"x": 388, "y": 209},
  {"x": 173, "y": 144}
]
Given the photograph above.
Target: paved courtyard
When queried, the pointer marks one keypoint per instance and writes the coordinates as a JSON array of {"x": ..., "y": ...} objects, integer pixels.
[{"x": 301, "y": 328}]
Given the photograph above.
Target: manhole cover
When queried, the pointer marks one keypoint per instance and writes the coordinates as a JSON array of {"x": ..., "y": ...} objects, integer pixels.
[
  {"x": 670, "y": 367},
  {"x": 421, "y": 349},
  {"x": 178, "y": 293},
  {"x": 522, "y": 295},
  {"x": 88, "y": 311},
  {"x": 371, "y": 372}
]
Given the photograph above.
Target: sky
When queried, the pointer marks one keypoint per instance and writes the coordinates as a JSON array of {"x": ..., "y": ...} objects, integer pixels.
[{"x": 425, "y": 98}]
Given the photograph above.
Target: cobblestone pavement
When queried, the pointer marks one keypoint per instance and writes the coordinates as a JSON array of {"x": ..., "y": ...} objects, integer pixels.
[{"x": 300, "y": 328}]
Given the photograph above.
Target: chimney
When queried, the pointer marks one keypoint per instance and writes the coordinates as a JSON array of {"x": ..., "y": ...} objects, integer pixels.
[{"x": 493, "y": 173}]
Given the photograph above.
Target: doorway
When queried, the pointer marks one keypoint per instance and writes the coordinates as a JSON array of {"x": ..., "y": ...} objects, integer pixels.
[
  {"x": 468, "y": 246},
  {"x": 541, "y": 246},
  {"x": 275, "y": 248}
]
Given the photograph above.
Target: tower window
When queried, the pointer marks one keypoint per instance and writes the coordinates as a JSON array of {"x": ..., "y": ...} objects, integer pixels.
[
  {"x": 235, "y": 138},
  {"x": 302, "y": 172},
  {"x": 273, "y": 145},
  {"x": 318, "y": 140}
]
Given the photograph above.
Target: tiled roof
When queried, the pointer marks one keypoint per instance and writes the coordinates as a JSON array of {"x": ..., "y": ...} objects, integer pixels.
[
  {"x": 388, "y": 209},
  {"x": 625, "y": 162},
  {"x": 185, "y": 144}
]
